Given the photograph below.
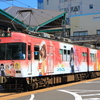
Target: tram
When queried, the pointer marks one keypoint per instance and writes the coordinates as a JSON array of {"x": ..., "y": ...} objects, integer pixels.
[{"x": 28, "y": 62}]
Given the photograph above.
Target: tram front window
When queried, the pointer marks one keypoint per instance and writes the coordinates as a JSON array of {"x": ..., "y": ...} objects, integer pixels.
[{"x": 12, "y": 51}]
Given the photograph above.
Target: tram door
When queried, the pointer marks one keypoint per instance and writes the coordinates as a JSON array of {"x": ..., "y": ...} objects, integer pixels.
[
  {"x": 29, "y": 60},
  {"x": 76, "y": 60},
  {"x": 50, "y": 60}
]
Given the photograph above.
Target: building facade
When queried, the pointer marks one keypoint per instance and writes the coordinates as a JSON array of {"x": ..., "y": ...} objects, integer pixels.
[
  {"x": 71, "y": 7},
  {"x": 86, "y": 24}
]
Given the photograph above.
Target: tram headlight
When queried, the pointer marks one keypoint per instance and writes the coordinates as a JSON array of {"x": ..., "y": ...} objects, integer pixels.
[
  {"x": 1, "y": 35},
  {"x": 9, "y": 34},
  {"x": 5, "y": 34}
]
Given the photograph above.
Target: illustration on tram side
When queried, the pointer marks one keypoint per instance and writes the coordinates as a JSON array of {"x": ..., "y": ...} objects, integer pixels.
[{"x": 47, "y": 57}]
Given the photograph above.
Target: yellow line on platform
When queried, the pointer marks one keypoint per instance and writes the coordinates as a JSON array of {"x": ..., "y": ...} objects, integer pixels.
[
  {"x": 44, "y": 90},
  {"x": 2, "y": 94}
]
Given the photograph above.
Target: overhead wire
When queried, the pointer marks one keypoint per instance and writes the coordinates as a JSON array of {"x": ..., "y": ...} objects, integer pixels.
[
  {"x": 15, "y": 5},
  {"x": 7, "y": 3},
  {"x": 23, "y": 3}
]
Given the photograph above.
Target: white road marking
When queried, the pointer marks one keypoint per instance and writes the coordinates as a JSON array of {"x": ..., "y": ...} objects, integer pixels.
[
  {"x": 32, "y": 97},
  {"x": 90, "y": 94},
  {"x": 83, "y": 91},
  {"x": 93, "y": 82},
  {"x": 77, "y": 97},
  {"x": 92, "y": 99}
]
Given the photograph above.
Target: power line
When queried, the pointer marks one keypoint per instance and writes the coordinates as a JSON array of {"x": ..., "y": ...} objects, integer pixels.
[
  {"x": 23, "y": 3},
  {"x": 5, "y": 1}
]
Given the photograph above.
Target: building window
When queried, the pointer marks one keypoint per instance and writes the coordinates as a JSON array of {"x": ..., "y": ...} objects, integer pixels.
[
  {"x": 67, "y": 21},
  {"x": 91, "y": 6},
  {"x": 75, "y": 8},
  {"x": 47, "y": 2},
  {"x": 80, "y": 33},
  {"x": 40, "y": 4},
  {"x": 61, "y": 1},
  {"x": 98, "y": 31},
  {"x": 62, "y": 9},
  {"x": 66, "y": 10},
  {"x": 65, "y": 0}
]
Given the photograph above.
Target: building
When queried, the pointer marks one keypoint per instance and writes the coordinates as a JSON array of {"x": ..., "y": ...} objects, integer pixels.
[
  {"x": 85, "y": 28},
  {"x": 71, "y": 7},
  {"x": 86, "y": 24}
]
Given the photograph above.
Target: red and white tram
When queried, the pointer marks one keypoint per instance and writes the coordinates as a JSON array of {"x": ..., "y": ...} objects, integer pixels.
[{"x": 29, "y": 62}]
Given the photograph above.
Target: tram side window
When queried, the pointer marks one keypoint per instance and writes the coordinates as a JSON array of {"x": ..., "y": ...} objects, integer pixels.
[
  {"x": 36, "y": 52},
  {"x": 65, "y": 55},
  {"x": 85, "y": 57},
  {"x": 2, "y": 52},
  {"x": 29, "y": 52},
  {"x": 92, "y": 57},
  {"x": 84, "y": 54},
  {"x": 61, "y": 53},
  {"x": 68, "y": 55}
]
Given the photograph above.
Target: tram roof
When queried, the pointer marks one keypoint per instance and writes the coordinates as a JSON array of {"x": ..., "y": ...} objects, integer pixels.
[{"x": 36, "y": 19}]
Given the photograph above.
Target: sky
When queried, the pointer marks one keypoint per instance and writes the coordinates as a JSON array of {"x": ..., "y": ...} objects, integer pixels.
[{"x": 20, "y": 3}]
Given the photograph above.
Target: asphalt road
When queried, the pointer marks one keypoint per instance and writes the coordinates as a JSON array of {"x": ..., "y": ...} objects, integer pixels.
[{"x": 84, "y": 90}]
